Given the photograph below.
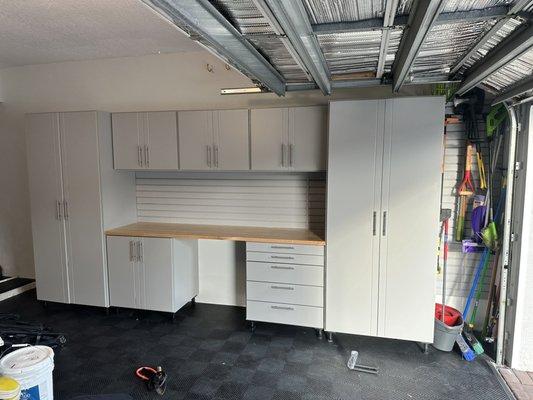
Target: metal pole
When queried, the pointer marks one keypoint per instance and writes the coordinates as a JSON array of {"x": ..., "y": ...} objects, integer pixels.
[{"x": 506, "y": 241}]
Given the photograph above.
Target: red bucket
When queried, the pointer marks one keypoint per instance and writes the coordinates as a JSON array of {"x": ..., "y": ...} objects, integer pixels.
[{"x": 451, "y": 315}]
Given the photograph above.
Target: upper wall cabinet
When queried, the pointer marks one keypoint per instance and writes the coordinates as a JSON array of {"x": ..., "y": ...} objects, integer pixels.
[
  {"x": 289, "y": 139},
  {"x": 146, "y": 140},
  {"x": 214, "y": 140}
]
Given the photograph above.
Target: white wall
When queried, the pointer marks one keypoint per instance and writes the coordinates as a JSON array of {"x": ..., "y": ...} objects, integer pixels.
[{"x": 155, "y": 82}]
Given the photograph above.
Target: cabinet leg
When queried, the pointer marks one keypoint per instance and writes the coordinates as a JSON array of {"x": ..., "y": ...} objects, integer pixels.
[
  {"x": 424, "y": 347},
  {"x": 329, "y": 337},
  {"x": 252, "y": 326},
  {"x": 117, "y": 311},
  {"x": 319, "y": 333},
  {"x": 193, "y": 301},
  {"x": 107, "y": 311}
]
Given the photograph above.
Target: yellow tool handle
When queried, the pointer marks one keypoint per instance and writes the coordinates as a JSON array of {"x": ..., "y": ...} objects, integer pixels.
[{"x": 469, "y": 152}]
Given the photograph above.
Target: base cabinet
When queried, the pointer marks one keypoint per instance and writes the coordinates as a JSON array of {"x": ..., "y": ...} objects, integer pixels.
[
  {"x": 285, "y": 284},
  {"x": 157, "y": 274}
]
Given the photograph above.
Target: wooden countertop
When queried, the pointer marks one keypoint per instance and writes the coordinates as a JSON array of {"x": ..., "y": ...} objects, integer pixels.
[{"x": 219, "y": 232}]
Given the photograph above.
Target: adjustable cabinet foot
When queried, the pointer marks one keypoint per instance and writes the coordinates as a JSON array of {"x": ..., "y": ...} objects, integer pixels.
[
  {"x": 252, "y": 326},
  {"x": 424, "y": 347},
  {"x": 107, "y": 311},
  {"x": 329, "y": 337},
  {"x": 319, "y": 333},
  {"x": 193, "y": 301}
]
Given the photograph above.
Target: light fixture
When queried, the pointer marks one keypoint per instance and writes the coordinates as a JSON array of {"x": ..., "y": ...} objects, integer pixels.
[{"x": 245, "y": 90}]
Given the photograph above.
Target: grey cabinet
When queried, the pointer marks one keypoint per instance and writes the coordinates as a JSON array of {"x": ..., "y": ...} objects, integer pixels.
[
  {"x": 291, "y": 139},
  {"x": 383, "y": 216},
  {"x": 158, "y": 274},
  {"x": 214, "y": 140},
  {"x": 74, "y": 193},
  {"x": 145, "y": 140},
  {"x": 285, "y": 284}
]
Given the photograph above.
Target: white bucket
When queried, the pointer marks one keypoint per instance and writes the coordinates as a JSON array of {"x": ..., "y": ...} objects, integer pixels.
[{"x": 32, "y": 368}]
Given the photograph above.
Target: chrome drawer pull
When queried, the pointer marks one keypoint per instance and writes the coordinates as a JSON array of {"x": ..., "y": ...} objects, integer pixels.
[
  {"x": 282, "y": 247},
  {"x": 283, "y": 257},
  {"x": 282, "y": 308},
  {"x": 282, "y": 287},
  {"x": 280, "y": 267}
]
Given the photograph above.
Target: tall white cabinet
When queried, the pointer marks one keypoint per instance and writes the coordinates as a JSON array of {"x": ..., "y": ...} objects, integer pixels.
[
  {"x": 75, "y": 195},
  {"x": 383, "y": 199}
]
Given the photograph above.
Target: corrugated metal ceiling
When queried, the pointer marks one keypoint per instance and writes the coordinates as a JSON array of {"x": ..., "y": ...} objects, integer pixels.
[
  {"x": 348, "y": 54},
  {"x": 518, "y": 69}
]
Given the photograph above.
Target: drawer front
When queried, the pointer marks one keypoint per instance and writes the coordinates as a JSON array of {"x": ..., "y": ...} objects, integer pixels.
[
  {"x": 286, "y": 273},
  {"x": 285, "y": 293},
  {"x": 312, "y": 317},
  {"x": 285, "y": 248},
  {"x": 285, "y": 258}
]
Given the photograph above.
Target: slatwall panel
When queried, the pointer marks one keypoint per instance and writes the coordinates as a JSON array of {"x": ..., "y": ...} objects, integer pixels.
[
  {"x": 244, "y": 199},
  {"x": 461, "y": 267}
]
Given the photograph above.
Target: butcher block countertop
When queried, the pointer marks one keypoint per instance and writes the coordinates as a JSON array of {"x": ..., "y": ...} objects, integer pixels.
[{"x": 219, "y": 232}]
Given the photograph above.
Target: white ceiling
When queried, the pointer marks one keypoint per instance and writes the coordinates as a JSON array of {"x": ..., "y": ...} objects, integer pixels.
[{"x": 47, "y": 31}]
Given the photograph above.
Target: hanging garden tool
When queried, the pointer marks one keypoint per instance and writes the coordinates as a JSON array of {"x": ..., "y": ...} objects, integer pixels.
[{"x": 465, "y": 190}]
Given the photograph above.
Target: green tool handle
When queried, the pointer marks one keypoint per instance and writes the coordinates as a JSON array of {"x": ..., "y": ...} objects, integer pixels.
[{"x": 459, "y": 228}]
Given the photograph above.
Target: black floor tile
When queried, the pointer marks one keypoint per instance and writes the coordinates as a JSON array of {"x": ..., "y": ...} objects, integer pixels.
[{"x": 209, "y": 353}]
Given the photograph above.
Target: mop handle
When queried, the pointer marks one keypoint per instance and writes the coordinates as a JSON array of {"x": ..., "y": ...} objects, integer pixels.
[{"x": 444, "y": 263}]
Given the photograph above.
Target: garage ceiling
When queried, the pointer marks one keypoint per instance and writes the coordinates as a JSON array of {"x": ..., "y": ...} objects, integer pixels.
[
  {"x": 348, "y": 43},
  {"x": 44, "y": 31}
]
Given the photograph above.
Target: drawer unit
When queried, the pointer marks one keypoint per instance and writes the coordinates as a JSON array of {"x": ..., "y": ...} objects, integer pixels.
[
  {"x": 285, "y": 293},
  {"x": 285, "y": 273},
  {"x": 285, "y": 258},
  {"x": 285, "y": 284},
  {"x": 285, "y": 314},
  {"x": 285, "y": 248}
]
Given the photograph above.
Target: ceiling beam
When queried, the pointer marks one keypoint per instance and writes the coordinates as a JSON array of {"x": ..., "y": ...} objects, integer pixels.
[
  {"x": 222, "y": 38},
  {"x": 521, "y": 87},
  {"x": 292, "y": 18},
  {"x": 422, "y": 18},
  {"x": 506, "y": 51},
  {"x": 388, "y": 21},
  {"x": 401, "y": 20}
]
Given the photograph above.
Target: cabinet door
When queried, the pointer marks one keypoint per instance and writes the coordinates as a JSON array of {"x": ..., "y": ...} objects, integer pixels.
[
  {"x": 307, "y": 138},
  {"x": 122, "y": 270},
  {"x": 410, "y": 205},
  {"x": 195, "y": 133},
  {"x": 161, "y": 140},
  {"x": 127, "y": 139},
  {"x": 354, "y": 180},
  {"x": 269, "y": 136},
  {"x": 157, "y": 275},
  {"x": 82, "y": 207},
  {"x": 45, "y": 184},
  {"x": 232, "y": 145}
]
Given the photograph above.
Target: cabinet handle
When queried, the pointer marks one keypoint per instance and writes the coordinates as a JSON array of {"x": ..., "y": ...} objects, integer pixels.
[
  {"x": 58, "y": 210},
  {"x": 131, "y": 250},
  {"x": 146, "y": 155},
  {"x": 282, "y": 308},
  {"x": 384, "y": 223},
  {"x": 141, "y": 251},
  {"x": 282, "y": 287},
  {"x": 283, "y": 257},
  {"x": 208, "y": 154},
  {"x": 282, "y": 247},
  {"x": 283, "y": 155},
  {"x": 374, "y": 216},
  {"x": 216, "y": 155},
  {"x": 290, "y": 154},
  {"x": 280, "y": 267},
  {"x": 139, "y": 156},
  {"x": 65, "y": 209}
]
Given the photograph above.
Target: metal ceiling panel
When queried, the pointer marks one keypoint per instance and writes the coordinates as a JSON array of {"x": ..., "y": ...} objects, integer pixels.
[
  {"x": 444, "y": 46},
  {"x": 244, "y": 16},
  {"x": 329, "y": 11},
  {"x": 395, "y": 36},
  {"x": 501, "y": 34},
  {"x": 510, "y": 74},
  {"x": 468, "y": 5},
  {"x": 351, "y": 52}
]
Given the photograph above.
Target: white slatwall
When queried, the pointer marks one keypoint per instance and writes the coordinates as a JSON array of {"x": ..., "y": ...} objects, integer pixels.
[
  {"x": 243, "y": 199},
  {"x": 461, "y": 267}
]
